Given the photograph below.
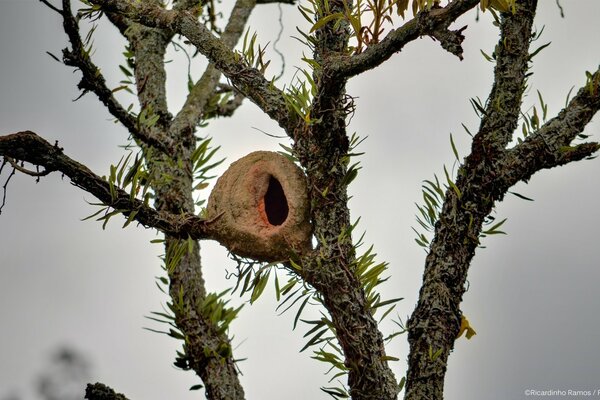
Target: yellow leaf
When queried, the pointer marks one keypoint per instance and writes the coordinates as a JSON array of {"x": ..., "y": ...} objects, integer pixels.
[{"x": 465, "y": 327}]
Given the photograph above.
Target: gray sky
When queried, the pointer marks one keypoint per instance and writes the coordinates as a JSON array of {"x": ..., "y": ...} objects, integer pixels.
[{"x": 533, "y": 296}]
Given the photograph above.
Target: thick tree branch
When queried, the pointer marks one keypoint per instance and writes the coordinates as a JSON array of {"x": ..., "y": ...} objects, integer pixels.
[
  {"x": 322, "y": 148},
  {"x": 249, "y": 81},
  {"x": 29, "y": 147},
  {"x": 435, "y": 322},
  {"x": 434, "y": 23},
  {"x": 503, "y": 107},
  {"x": 120, "y": 22},
  {"x": 149, "y": 46},
  {"x": 207, "y": 349},
  {"x": 488, "y": 173}
]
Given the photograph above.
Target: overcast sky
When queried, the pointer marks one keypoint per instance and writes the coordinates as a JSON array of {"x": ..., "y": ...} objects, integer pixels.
[{"x": 533, "y": 295}]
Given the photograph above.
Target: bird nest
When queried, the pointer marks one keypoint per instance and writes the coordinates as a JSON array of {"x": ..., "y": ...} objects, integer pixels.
[{"x": 260, "y": 208}]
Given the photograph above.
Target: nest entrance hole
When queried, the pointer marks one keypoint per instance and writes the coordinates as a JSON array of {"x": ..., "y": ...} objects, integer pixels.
[{"x": 276, "y": 205}]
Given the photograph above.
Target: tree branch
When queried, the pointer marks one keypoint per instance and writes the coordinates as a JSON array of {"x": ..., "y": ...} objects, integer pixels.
[
  {"x": 249, "y": 81},
  {"x": 52, "y": 7},
  {"x": 93, "y": 81},
  {"x": 487, "y": 175},
  {"x": 29, "y": 147},
  {"x": 149, "y": 46},
  {"x": 227, "y": 109},
  {"x": 322, "y": 148},
  {"x": 120, "y": 22},
  {"x": 503, "y": 107},
  {"x": 551, "y": 145},
  {"x": 98, "y": 391},
  {"x": 434, "y": 23},
  {"x": 207, "y": 348},
  {"x": 194, "y": 108},
  {"x": 435, "y": 322}
]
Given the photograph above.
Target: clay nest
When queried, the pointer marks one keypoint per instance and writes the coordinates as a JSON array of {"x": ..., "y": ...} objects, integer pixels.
[{"x": 260, "y": 208}]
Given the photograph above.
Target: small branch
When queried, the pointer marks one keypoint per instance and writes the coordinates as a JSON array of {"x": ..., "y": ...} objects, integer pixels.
[
  {"x": 149, "y": 47},
  {"x": 26, "y": 171},
  {"x": 5, "y": 186},
  {"x": 29, "y": 147},
  {"x": 434, "y": 23},
  {"x": 93, "y": 81},
  {"x": 227, "y": 109},
  {"x": 99, "y": 391},
  {"x": 52, "y": 7},
  {"x": 248, "y": 80}
]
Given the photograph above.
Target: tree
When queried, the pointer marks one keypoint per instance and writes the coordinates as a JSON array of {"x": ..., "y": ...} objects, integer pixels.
[{"x": 314, "y": 114}]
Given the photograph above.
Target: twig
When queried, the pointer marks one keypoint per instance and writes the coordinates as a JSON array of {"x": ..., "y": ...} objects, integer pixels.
[
  {"x": 26, "y": 171},
  {"x": 50, "y": 6},
  {"x": 252, "y": 82},
  {"x": 279, "y": 53},
  {"x": 12, "y": 173}
]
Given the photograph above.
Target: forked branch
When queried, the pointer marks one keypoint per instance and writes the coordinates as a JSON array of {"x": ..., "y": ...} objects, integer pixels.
[
  {"x": 486, "y": 176},
  {"x": 93, "y": 81},
  {"x": 247, "y": 80}
]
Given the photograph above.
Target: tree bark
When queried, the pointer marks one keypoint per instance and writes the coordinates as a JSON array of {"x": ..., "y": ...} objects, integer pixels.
[
  {"x": 321, "y": 145},
  {"x": 206, "y": 350},
  {"x": 322, "y": 149},
  {"x": 484, "y": 178}
]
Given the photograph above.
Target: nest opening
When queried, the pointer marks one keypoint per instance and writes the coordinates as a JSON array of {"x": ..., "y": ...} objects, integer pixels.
[{"x": 276, "y": 204}]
